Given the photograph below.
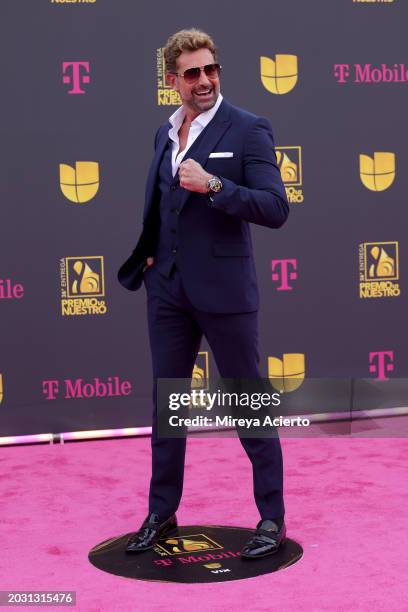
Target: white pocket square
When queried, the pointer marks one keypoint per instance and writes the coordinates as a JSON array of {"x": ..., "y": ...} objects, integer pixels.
[{"x": 220, "y": 154}]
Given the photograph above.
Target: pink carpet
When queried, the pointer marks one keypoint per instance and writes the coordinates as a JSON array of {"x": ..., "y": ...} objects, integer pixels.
[{"x": 346, "y": 503}]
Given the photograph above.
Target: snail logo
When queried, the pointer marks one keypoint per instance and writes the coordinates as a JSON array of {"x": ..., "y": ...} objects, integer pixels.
[
  {"x": 190, "y": 543},
  {"x": 79, "y": 184},
  {"x": 384, "y": 266},
  {"x": 166, "y": 96},
  {"x": 379, "y": 269},
  {"x": 200, "y": 378},
  {"x": 290, "y": 165},
  {"x": 377, "y": 173},
  {"x": 82, "y": 285},
  {"x": 83, "y": 279},
  {"x": 288, "y": 373},
  {"x": 279, "y": 76},
  {"x": 90, "y": 281},
  {"x": 187, "y": 545}
]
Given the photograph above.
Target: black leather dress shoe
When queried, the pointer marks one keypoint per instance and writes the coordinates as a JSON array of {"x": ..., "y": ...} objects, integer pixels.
[
  {"x": 265, "y": 541},
  {"x": 152, "y": 529}
]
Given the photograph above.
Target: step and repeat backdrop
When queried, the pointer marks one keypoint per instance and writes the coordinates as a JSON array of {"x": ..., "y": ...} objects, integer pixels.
[{"x": 83, "y": 93}]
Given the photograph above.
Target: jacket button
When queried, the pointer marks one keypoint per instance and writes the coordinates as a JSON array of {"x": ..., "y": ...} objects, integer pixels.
[
  {"x": 173, "y": 231},
  {"x": 174, "y": 251}
]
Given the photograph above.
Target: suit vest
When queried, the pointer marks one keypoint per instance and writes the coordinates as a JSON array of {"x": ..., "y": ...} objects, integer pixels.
[{"x": 170, "y": 193}]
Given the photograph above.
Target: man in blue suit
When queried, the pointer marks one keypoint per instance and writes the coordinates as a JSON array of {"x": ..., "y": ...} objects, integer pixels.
[{"x": 214, "y": 171}]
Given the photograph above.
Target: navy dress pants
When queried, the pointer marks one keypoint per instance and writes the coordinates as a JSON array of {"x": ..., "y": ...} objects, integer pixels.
[{"x": 175, "y": 331}]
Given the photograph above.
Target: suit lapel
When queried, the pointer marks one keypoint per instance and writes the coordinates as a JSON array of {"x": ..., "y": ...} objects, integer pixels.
[
  {"x": 205, "y": 143},
  {"x": 199, "y": 151}
]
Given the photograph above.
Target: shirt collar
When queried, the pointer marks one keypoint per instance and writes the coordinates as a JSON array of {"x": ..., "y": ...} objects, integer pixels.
[{"x": 202, "y": 119}]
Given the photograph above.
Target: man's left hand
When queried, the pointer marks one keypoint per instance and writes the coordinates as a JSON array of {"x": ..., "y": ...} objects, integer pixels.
[{"x": 193, "y": 176}]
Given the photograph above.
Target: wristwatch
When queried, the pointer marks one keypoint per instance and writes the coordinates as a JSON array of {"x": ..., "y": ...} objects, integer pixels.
[{"x": 214, "y": 185}]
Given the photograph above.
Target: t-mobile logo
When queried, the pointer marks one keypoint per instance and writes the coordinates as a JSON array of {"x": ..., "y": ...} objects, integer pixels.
[
  {"x": 283, "y": 271},
  {"x": 75, "y": 74},
  {"x": 381, "y": 362}
]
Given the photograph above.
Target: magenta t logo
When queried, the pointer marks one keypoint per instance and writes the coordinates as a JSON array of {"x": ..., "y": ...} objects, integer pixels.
[
  {"x": 341, "y": 72},
  {"x": 381, "y": 362},
  {"x": 284, "y": 270},
  {"x": 73, "y": 75}
]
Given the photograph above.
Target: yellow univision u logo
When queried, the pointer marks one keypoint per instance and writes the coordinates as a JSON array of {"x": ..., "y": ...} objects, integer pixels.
[
  {"x": 377, "y": 173},
  {"x": 279, "y": 76},
  {"x": 286, "y": 374},
  {"x": 1, "y": 388},
  {"x": 79, "y": 184}
]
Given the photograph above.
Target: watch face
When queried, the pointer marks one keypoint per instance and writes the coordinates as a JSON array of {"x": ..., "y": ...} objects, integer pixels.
[{"x": 215, "y": 184}]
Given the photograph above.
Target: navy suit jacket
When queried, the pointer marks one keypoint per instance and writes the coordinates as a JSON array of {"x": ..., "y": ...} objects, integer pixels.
[{"x": 215, "y": 255}]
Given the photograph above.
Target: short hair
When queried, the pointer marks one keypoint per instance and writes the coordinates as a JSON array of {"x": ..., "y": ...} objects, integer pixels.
[{"x": 186, "y": 40}]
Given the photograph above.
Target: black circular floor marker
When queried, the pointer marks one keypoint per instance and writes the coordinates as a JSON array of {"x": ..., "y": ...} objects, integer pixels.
[{"x": 194, "y": 553}]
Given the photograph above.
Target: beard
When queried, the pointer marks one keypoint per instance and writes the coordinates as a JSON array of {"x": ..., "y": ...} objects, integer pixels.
[{"x": 203, "y": 103}]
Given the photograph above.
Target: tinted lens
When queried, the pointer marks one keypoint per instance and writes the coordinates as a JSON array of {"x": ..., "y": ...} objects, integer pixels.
[
  {"x": 191, "y": 75},
  {"x": 212, "y": 70}
]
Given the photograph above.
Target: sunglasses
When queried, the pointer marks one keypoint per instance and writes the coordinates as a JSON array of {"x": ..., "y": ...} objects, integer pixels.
[{"x": 191, "y": 75}]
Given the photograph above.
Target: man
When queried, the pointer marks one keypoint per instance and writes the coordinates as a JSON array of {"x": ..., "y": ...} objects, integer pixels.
[{"x": 213, "y": 172}]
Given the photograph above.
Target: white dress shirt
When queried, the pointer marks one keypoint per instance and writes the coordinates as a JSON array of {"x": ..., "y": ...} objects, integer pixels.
[{"x": 195, "y": 130}]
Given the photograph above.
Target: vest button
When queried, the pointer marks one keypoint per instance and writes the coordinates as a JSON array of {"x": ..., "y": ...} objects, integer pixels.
[
  {"x": 174, "y": 251},
  {"x": 173, "y": 187}
]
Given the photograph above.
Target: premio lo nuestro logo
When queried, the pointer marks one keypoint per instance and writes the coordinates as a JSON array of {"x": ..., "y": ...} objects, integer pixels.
[
  {"x": 290, "y": 165},
  {"x": 377, "y": 173},
  {"x": 190, "y": 543},
  {"x": 82, "y": 285},
  {"x": 279, "y": 75},
  {"x": 288, "y": 373},
  {"x": 79, "y": 184},
  {"x": 200, "y": 378},
  {"x": 166, "y": 96},
  {"x": 194, "y": 549},
  {"x": 379, "y": 269}
]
